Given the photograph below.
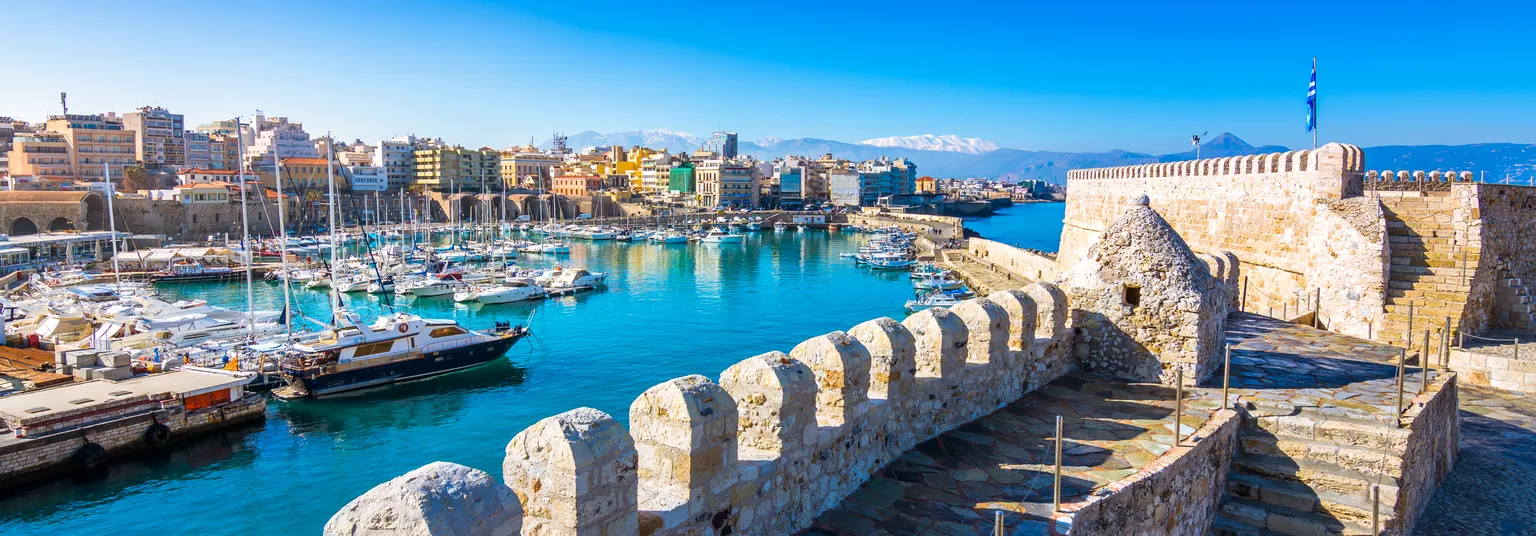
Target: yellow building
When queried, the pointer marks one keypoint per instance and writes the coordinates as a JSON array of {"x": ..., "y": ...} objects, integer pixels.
[
  {"x": 44, "y": 155},
  {"x": 303, "y": 174},
  {"x": 94, "y": 140},
  {"x": 926, "y": 185},
  {"x": 456, "y": 168}
]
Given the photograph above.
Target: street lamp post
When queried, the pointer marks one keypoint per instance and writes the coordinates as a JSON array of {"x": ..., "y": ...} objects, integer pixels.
[{"x": 1195, "y": 140}]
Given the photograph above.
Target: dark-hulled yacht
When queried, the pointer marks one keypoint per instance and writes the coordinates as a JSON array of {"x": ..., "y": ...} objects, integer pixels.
[{"x": 396, "y": 347}]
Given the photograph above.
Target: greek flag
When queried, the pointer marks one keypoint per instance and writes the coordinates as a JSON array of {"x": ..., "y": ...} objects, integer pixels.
[{"x": 1312, "y": 99}]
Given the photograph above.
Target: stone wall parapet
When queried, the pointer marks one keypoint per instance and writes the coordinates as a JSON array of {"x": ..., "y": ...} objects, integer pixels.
[
  {"x": 777, "y": 440},
  {"x": 1350, "y": 159}
]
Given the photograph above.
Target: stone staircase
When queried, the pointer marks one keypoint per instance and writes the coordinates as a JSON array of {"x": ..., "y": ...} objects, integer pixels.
[
  {"x": 1516, "y": 304},
  {"x": 1309, "y": 472},
  {"x": 1426, "y": 271}
]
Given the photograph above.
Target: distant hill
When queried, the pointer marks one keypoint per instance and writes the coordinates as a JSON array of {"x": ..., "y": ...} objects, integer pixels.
[{"x": 1496, "y": 159}]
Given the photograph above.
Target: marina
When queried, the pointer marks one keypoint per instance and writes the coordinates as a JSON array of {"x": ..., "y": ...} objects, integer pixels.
[{"x": 665, "y": 307}]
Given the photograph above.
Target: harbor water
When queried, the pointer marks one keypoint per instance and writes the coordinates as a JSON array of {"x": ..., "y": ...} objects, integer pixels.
[{"x": 667, "y": 311}]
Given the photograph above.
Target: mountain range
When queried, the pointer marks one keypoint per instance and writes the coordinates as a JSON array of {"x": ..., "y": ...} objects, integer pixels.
[{"x": 953, "y": 156}]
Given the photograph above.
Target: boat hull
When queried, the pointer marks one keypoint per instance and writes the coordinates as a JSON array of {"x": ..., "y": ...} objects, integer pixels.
[{"x": 428, "y": 365}]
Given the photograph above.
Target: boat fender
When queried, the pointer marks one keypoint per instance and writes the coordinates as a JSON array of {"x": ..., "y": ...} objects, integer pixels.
[
  {"x": 157, "y": 434},
  {"x": 89, "y": 455},
  {"x": 402, "y": 328}
]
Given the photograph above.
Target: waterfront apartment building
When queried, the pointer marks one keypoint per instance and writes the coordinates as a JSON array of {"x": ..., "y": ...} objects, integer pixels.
[
  {"x": 739, "y": 184},
  {"x": 577, "y": 185},
  {"x": 456, "y": 168},
  {"x": 302, "y": 174},
  {"x": 791, "y": 190},
  {"x": 94, "y": 140},
  {"x": 199, "y": 154},
  {"x": 366, "y": 177},
  {"x": 159, "y": 137},
  {"x": 846, "y": 188},
  {"x": 527, "y": 167},
  {"x": 204, "y": 175},
  {"x": 397, "y": 157},
  {"x": 7, "y": 136},
  {"x": 680, "y": 179},
  {"x": 223, "y": 151},
  {"x": 278, "y": 136},
  {"x": 655, "y": 173},
  {"x": 40, "y": 155}
]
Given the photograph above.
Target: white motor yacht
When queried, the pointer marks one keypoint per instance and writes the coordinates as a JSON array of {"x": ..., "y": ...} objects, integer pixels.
[
  {"x": 717, "y": 236},
  {"x": 427, "y": 288}
]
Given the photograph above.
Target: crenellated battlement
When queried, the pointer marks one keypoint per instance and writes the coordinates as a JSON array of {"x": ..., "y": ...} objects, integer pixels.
[
  {"x": 1348, "y": 158},
  {"x": 777, "y": 440}
]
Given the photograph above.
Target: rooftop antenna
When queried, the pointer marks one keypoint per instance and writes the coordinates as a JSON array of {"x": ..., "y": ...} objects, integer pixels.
[{"x": 64, "y": 101}]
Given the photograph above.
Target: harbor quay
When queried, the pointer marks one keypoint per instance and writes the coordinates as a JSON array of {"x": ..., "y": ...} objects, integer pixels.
[
  {"x": 82, "y": 425},
  {"x": 1217, "y": 348}
]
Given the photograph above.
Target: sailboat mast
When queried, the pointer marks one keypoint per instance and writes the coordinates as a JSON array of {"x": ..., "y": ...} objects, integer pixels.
[
  {"x": 106, "y": 174},
  {"x": 282, "y": 239},
  {"x": 330, "y": 180},
  {"x": 245, "y": 227}
]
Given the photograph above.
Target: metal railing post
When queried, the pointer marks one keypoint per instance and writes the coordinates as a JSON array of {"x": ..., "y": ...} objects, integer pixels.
[
  {"x": 1226, "y": 377},
  {"x": 1410, "y": 324},
  {"x": 1178, "y": 405},
  {"x": 1463, "y": 267},
  {"x": 1424, "y": 364},
  {"x": 1402, "y": 363},
  {"x": 1317, "y": 309},
  {"x": 1056, "y": 501},
  {"x": 997, "y": 525}
]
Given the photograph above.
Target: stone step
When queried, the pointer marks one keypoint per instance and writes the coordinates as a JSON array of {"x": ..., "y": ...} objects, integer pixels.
[
  {"x": 1421, "y": 231},
  {"x": 1226, "y": 526},
  {"x": 1426, "y": 241},
  {"x": 1308, "y": 453},
  {"x": 1448, "y": 282},
  {"x": 1334, "y": 426},
  {"x": 1302, "y": 498},
  {"x": 1421, "y": 261},
  {"x": 1400, "y": 318},
  {"x": 1398, "y": 295},
  {"x": 1280, "y": 520}
]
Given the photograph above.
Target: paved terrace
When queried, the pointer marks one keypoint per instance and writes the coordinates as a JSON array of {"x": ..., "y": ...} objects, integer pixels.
[{"x": 955, "y": 483}]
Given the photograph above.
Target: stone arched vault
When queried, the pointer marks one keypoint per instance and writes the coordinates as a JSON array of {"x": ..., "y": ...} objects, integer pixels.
[{"x": 83, "y": 210}]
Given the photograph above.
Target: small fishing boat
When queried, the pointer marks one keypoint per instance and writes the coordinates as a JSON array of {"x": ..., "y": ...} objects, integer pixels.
[{"x": 931, "y": 300}]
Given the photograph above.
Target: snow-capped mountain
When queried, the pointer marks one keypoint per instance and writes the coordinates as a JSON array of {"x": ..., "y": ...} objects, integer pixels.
[
  {"x": 930, "y": 142},
  {"x": 658, "y": 138}
]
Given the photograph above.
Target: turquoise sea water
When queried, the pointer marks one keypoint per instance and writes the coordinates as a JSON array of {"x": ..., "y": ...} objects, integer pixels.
[
  {"x": 1026, "y": 225},
  {"x": 668, "y": 311}
]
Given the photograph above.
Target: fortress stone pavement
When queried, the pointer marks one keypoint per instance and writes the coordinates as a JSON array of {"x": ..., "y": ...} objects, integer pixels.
[{"x": 1298, "y": 262}]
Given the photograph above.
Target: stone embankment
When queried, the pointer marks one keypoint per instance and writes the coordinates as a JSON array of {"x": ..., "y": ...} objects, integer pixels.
[{"x": 778, "y": 439}]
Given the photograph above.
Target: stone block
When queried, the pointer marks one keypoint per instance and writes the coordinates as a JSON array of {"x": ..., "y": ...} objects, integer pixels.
[
  {"x": 87, "y": 373},
  {"x": 115, "y": 359},
  {"x": 116, "y": 373}
]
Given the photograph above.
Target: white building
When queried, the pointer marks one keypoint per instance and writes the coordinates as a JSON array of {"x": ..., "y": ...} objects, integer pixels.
[
  {"x": 288, "y": 140},
  {"x": 366, "y": 178},
  {"x": 847, "y": 187}
]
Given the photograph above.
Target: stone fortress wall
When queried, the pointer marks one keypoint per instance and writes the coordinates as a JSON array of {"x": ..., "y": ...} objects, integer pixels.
[
  {"x": 1282, "y": 215},
  {"x": 777, "y": 440},
  {"x": 1309, "y": 226}
]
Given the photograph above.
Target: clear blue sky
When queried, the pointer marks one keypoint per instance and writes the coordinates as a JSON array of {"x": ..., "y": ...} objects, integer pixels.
[{"x": 1057, "y": 75}]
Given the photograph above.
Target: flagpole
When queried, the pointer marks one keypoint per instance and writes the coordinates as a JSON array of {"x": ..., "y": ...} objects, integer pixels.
[{"x": 1314, "y": 104}]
